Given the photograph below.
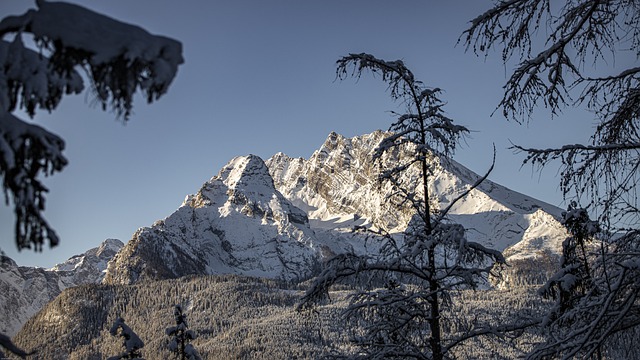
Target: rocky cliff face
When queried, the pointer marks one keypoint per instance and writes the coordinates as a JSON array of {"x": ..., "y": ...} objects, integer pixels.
[
  {"x": 25, "y": 290},
  {"x": 283, "y": 217},
  {"x": 338, "y": 187}
]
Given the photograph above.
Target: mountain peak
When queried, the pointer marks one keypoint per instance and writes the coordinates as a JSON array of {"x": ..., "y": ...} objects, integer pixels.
[
  {"x": 237, "y": 223},
  {"x": 108, "y": 248},
  {"x": 278, "y": 218},
  {"x": 96, "y": 257},
  {"x": 245, "y": 172}
]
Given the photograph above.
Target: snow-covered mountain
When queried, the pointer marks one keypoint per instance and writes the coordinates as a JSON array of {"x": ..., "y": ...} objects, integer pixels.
[
  {"x": 338, "y": 188},
  {"x": 283, "y": 217},
  {"x": 238, "y": 223},
  {"x": 25, "y": 290}
]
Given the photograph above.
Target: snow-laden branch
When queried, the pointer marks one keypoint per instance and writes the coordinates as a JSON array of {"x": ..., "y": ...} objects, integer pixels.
[
  {"x": 26, "y": 152},
  {"x": 131, "y": 342},
  {"x": 28, "y": 81},
  {"x": 579, "y": 147},
  {"x": 120, "y": 58},
  {"x": 415, "y": 273}
]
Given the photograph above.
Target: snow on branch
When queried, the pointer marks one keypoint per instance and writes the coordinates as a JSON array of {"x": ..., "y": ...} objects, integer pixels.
[
  {"x": 119, "y": 57},
  {"x": 27, "y": 81},
  {"x": 132, "y": 343},
  {"x": 424, "y": 123},
  {"x": 418, "y": 268},
  {"x": 605, "y": 172},
  {"x": 26, "y": 150},
  {"x": 578, "y": 147},
  {"x": 181, "y": 337},
  {"x": 578, "y": 32}
]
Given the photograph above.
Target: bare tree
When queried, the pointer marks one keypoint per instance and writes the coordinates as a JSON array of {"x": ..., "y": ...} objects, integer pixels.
[
  {"x": 117, "y": 58},
  {"x": 563, "y": 69},
  {"x": 416, "y": 272}
]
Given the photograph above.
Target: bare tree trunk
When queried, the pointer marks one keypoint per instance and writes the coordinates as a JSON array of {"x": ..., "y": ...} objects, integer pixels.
[{"x": 434, "y": 321}]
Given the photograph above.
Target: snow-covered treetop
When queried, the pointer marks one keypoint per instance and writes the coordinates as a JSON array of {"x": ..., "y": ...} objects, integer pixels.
[
  {"x": 181, "y": 336},
  {"x": 577, "y": 222},
  {"x": 132, "y": 342}
]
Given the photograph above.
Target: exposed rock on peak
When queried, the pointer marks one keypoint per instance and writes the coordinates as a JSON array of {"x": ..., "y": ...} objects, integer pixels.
[
  {"x": 283, "y": 217},
  {"x": 248, "y": 173},
  {"x": 338, "y": 187}
]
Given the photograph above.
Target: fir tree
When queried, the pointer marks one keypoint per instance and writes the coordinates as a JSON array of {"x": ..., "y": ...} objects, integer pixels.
[
  {"x": 577, "y": 64},
  {"x": 181, "y": 337},
  {"x": 131, "y": 341},
  {"x": 119, "y": 59}
]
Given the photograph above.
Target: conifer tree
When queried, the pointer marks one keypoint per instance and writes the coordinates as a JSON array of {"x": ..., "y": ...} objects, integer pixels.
[
  {"x": 119, "y": 59},
  {"x": 181, "y": 337},
  {"x": 131, "y": 341},
  {"x": 581, "y": 53}
]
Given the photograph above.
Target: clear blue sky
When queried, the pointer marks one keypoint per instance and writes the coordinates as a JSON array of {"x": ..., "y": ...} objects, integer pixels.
[{"x": 259, "y": 78}]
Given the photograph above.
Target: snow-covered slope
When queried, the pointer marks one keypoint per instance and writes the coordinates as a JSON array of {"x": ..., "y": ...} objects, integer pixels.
[
  {"x": 283, "y": 217},
  {"x": 25, "y": 290},
  {"x": 238, "y": 223}
]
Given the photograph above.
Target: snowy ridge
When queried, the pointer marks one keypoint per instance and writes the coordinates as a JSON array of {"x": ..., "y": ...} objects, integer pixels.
[
  {"x": 338, "y": 188},
  {"x": 25, "y": 290},
  {"x": 282, "y": 218}
]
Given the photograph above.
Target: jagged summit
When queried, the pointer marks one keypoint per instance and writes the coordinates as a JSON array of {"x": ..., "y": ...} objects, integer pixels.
[
  {"x": 97, "y": 257},
  {"x": 338, "y": 187},
  {"x": 282, "y": 217},
  {"x": 247, "y": 173},
  {"x": 236, "y": 223},
  {"x": 244, "y": 185}
]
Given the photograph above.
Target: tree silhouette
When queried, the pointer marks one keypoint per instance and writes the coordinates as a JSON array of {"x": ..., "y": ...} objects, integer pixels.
[
  {"x": 118, "y": 58},
  {"x": 597, "y": 288},
  {"x": 181, "y": 337},
  {"x": 432, "y": 258},
  {"x": 131, "y": 341}
]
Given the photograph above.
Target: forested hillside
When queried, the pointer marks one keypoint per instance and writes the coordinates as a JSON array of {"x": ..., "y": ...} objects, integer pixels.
[{"x": 238, "y": 318}]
